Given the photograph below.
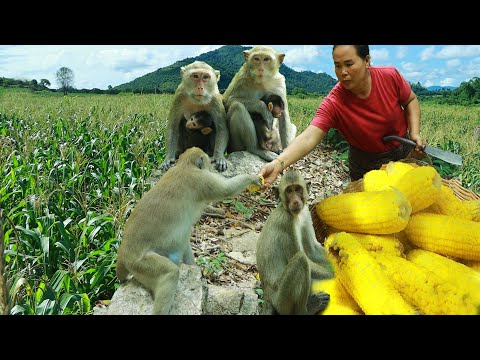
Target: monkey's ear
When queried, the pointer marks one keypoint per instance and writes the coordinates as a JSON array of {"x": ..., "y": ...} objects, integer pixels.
[
  {"x": 270, "y": 106},
  {"x": 246, "y": 54},
  {"x": 280, "y": 57},
  {"x": 276, "y": 192},
  {"x": 182, "y": 70},
  {"x": 217, "y": 74},
  {"x": 206, "y": 130},
  {"x": 199, "y": 162},
  {"x": 308, "y": 186}
]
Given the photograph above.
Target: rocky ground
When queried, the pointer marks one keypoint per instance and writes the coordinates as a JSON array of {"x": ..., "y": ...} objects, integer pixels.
[
  {"x": 224, "y": 242},
  {"x": 212, "y": 237}
]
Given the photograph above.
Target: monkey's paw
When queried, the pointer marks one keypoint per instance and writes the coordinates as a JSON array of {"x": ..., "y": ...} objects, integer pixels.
[
  {"x": 259, "y": 183},
  {"x": 220, "y": 164},
  {"x": 166, "y": 164},
  {"x": 317, "y": 302}
]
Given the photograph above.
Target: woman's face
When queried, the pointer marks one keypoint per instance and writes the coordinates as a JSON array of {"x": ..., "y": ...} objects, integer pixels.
[{"x": 351, "y": 70}]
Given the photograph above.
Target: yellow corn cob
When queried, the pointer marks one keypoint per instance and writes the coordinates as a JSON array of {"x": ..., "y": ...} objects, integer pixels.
[
  {"x": 341, "y": 302},
  {"x": 473, "y": 206},
  {"x": 448, "y": 204},
  {"x": 376, "y": 180},
  {"x": 380, "y": 243},
  {"x": 255, "y": 187},
  {"x": 421, "y": 186},
  {"x": 402, "y": 237},
  {"x": 425, "y": 289},
  {"x": 431, "y": 209},
  {"x": 396, "y": 169},
  {"x": 363, "y": 278},
  {"x": 474, "y": 265},
  {"x": 445, "y": 235},
  {"x": 448, "y": 270},
  {"x": 375, "y": 212}
]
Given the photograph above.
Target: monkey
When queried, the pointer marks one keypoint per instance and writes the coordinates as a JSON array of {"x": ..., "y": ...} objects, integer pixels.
[
  {"x": 199, "y": 131},
  {"x": 258, "y": 76},
  {"x": 288, "y": 254},
  {"x": 157, "y": 233},
  {"x": 197, "y": 91},
  {"x": 269, "y": 139}
]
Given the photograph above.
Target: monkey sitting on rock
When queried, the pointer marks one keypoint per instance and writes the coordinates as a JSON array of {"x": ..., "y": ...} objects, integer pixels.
[
  {"x": 197, "y": 91},
  {"x": 157, "y": 233},
  {"x": 288, "y": 254},
  {"x": 258, "y": 76}
]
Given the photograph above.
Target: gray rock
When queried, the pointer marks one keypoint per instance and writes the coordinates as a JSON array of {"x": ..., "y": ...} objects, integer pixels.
[
  {"x": 131, "y": 298},
  {"x": 231, "y": 301}
]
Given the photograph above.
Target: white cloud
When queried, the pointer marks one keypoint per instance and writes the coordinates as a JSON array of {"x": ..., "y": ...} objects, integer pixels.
[
  {"x": 207, "y": 48},
  {"x": 379, "y": 55},
  {"x": 401, "y": 52},
  {"x": 447, "y": 82},
  {"x": 428, "y": 83},
  {"x": 301, "y": 55},
  {"x": 453, "y": 51},
  {"x": 453, "y": 63},
  {"x": 427, "y": 53},
  {"x": 410, "y": 66}
]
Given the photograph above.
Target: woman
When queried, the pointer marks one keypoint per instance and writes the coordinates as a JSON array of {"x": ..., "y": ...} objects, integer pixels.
[{"x": 367, "y": 103}]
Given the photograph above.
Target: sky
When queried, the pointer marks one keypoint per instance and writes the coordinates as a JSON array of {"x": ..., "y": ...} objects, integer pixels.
[{"x": 98, "y": 66}]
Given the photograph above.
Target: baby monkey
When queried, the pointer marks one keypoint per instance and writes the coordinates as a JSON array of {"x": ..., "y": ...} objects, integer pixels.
[
  {"x": 269, "y": 139},
  {"x": 198, "y": 130}
]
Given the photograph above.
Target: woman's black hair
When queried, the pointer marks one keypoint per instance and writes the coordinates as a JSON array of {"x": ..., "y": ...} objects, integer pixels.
[{"x": 362, "y": 50}]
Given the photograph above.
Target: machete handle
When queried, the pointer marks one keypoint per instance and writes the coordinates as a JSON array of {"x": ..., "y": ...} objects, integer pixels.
[{"x": 402, "y": 140}]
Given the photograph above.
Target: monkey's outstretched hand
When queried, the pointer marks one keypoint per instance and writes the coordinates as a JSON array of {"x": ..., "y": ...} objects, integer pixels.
[
  {"x": 270, "y": 172},
  {"x": 255, "y": 187}
]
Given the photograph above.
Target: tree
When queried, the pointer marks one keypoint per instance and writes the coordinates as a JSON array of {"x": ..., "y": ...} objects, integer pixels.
[
  {"x": 44, "y": 82},
  {"x": 65, "y": 78}
]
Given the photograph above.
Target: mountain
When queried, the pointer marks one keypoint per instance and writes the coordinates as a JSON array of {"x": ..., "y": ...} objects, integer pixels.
[
  {"x": 437, "y": 88},
  {"x": 228, "y": 59}
]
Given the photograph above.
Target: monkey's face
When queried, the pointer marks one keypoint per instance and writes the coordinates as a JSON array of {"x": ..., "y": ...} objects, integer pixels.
[
  {"x": 262, "y": 65},
  {"x": 273, "y": 146},
  {"x": 200, "y": 86},
  {"x": 277, "y": 111},
  {"x": 193, "y": 123},
  {"x": 294, "y": 198},
  {"x": 200, "y": 82}
]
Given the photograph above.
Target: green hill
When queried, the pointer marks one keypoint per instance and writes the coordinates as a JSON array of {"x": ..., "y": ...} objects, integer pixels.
[{"x": 228, "y": 59}]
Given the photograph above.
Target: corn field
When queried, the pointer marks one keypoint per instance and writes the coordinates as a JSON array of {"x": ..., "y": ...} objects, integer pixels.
[{"x": 73, "y": 167}]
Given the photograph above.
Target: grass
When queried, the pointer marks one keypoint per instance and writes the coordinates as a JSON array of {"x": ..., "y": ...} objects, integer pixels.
[{"x": 72, "y": 169}]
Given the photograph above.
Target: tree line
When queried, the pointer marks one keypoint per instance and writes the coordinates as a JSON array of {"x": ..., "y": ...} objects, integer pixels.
[{"x": 468, "y": 93}]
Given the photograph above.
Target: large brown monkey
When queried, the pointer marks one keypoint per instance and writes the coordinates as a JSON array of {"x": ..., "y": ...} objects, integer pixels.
[
  {"x": 269, "y": 139},
  {"x": 288, "y": 254},
  {"x": 198, "y": 91},
  {"x": 257, "y": 77},
  {"x": 157, "y": 233}
]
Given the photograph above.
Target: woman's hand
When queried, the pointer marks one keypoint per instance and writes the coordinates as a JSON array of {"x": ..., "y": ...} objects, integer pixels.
[
  {"x": 270, "y": 172},
  {"x": 418, "y": 140}
]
